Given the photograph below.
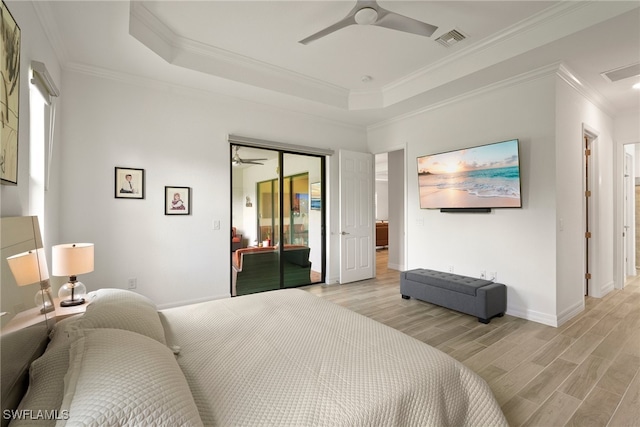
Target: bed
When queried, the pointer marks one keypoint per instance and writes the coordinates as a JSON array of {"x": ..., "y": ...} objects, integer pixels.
[{"x": 276, "y": 358}]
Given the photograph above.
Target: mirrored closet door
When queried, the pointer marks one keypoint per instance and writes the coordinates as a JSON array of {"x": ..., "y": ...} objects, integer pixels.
[{"x": 277, "y": 214}]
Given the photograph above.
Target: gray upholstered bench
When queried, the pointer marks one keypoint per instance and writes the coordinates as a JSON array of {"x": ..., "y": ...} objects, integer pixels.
[{"x": 477, "y": 297}]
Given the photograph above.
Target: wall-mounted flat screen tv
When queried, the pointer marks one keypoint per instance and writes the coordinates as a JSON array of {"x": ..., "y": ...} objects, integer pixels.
[{"x": 487, "y": 176}]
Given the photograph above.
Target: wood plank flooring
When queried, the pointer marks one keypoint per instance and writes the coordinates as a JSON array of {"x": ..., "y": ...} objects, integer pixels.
[{"x": 584, "y": 373}]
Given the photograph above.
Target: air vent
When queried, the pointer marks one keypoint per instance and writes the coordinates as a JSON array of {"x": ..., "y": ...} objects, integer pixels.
[
  {"x": 450, "y": 38},
  {"x": 622, "y": 73}
]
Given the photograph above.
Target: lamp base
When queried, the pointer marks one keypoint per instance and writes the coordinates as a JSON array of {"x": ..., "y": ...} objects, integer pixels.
[
  {"x": 47, "y": 309},
  {"x": 72, "y": 302}
]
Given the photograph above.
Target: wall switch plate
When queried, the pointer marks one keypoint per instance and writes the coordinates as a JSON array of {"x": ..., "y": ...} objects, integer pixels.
[
  {"x": 132, "y": 283},
  {"x": 216, "y": 224}
]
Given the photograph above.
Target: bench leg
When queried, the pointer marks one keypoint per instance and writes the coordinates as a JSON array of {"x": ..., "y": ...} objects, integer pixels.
[
  {"x": 406, "y": 297},
  {"x": 485, "y": 321}
]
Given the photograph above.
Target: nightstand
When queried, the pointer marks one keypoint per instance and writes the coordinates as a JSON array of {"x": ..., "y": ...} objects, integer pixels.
[
  {"x": 33, "y": 316},
  {"x": 63, "y": 312}
]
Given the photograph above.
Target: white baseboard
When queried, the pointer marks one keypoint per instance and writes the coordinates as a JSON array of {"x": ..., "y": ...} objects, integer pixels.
[
  {"x": 394, "y": 267},
  {"x": 571, "y": 312},
  {"x": 607, "y": 288},
  {"x": 534, "y": 316},
  {"x": 193, "y": 301},
  {"x": 546, "y": 318}
]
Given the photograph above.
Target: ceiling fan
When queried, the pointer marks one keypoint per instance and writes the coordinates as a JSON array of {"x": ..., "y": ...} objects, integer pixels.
[
  {"x": 237, "y": 161},
  {"x": 368, "y": 12}
]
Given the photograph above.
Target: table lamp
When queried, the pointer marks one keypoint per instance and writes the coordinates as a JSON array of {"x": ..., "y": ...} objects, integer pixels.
[
  {"x": 29, "y": 268},
  {"x": 72, "y": 259}
]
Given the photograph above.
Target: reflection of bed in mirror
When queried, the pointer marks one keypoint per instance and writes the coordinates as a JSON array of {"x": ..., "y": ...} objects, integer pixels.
[{"x": 20, "y": 345}]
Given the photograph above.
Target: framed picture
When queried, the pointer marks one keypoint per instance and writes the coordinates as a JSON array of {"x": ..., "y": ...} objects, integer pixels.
[
  {"x": 129, "y": 183},
  {"x": 316, "y": 196},
  {"x": 177, "y": 200},
  {"x": 9, "y": 102}
]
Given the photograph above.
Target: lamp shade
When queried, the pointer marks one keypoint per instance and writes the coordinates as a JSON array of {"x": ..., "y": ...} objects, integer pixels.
[
  {"x": 72, "y": 259},
  {"x": 29, "y": 267}
]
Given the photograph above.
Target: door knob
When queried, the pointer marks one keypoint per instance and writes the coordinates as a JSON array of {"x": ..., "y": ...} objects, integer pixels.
[{"x": 344, "y": 233}]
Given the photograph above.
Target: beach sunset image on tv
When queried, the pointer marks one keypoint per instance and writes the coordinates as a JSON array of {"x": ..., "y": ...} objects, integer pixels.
[{"x": 480, "y": 177}]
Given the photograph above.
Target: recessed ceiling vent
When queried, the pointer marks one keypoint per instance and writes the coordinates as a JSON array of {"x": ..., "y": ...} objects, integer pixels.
[
  {"x": 622, "y": 73},
  {"x": 450, "y": 38}
]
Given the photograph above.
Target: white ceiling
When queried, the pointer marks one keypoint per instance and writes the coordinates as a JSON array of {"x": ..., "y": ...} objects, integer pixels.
[{"x": 250, "y": 49}]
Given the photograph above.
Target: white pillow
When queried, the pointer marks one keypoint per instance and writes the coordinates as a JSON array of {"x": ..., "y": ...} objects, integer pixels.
[
  {"x": 46, "y": 386},
  {"x": 117, "y": 378},
  {"x": 59, "y": 334},
  {"x": 46, "y": 375},
  {"x": 120, "y": 309}
]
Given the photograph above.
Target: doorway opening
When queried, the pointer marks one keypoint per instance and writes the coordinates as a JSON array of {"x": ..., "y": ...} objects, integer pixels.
[{"x": 390, "y": 208}]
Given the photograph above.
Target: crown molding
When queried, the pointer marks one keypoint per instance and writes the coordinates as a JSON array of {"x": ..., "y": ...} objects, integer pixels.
[
  {"x": 586, "y": 90},
  {"x": 198, "y": 92},
  {"x": 45, "y": 16},
  {"x": 548, "y": 25},
  {"x": 184, "y": 52},
  {"x": 557, "y": 68},
  {"x": 529, "y": 76}
]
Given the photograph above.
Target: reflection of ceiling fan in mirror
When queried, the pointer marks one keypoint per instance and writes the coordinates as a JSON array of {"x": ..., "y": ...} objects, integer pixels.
[{"x": 236, "y": 160}]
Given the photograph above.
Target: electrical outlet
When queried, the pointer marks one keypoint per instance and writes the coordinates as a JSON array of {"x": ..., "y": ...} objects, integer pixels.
[
  {"x": 132, "y": 283},
  {"x": 483, "y": 274},
  {"x": 493, "y": 276},
  {"x": 451, "y": 269}
]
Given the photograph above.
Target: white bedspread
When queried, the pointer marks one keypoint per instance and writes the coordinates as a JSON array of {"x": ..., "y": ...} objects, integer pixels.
[{"x": 290, "y": 358}]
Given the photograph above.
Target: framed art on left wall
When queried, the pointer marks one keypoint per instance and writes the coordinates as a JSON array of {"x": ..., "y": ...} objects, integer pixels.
[
  {"x": 177, "y": 200},
  {"x": 129, "y": 183},
  {"x": 9, "y": 102}
]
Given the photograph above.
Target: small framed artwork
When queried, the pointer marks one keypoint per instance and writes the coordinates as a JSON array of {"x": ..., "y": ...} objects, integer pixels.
[
  {"x": 129, "y": 183},
  {"x": 177, "y": 200}
]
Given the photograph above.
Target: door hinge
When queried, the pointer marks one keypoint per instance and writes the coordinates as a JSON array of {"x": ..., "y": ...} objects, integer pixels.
[
  {"x": 587, "y": 276},
  {"x": 587, "y": 152},
  {"x": 587, "y": 193},
  {"x": 587, "y": 235}
]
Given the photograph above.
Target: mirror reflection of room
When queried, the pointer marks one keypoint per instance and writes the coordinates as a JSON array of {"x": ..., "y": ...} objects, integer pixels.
[
  {"x": 25, "y": 275},
  {"x": 263, "y": 220},
  {"x": 25, "y": 304}
]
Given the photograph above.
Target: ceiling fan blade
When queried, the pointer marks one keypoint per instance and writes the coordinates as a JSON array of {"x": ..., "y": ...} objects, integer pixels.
[
  {"x": 246, "y": 162},
  {"x": 345, "y": 22},
  {"x": 252, "y": 160},
  {"x": 399, "y": 22}
]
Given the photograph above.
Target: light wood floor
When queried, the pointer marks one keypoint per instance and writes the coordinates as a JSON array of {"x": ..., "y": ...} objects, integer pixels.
[{"x": 584, "y": 373}]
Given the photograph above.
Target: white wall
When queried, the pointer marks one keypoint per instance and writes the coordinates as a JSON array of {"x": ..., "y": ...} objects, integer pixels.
[
  {"x": 518, "y": 244},
  {"x": 179, "y": 138},
  {"x": 382, "y": 200}
]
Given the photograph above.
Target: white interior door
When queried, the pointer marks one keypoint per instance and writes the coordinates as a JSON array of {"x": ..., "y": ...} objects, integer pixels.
[
  {"x": 629, "y": 217},
  {"x": 356, "y": 216}
]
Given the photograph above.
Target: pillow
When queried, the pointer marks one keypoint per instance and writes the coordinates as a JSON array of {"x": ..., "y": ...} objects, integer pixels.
[
  {"x": 46, "y": 386},
  {"x": 59, "y": 334},
  {"x": 46, "y": 374},
  {"x": 120, "y": 309},
  {"x": 117, "y": 377}
]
